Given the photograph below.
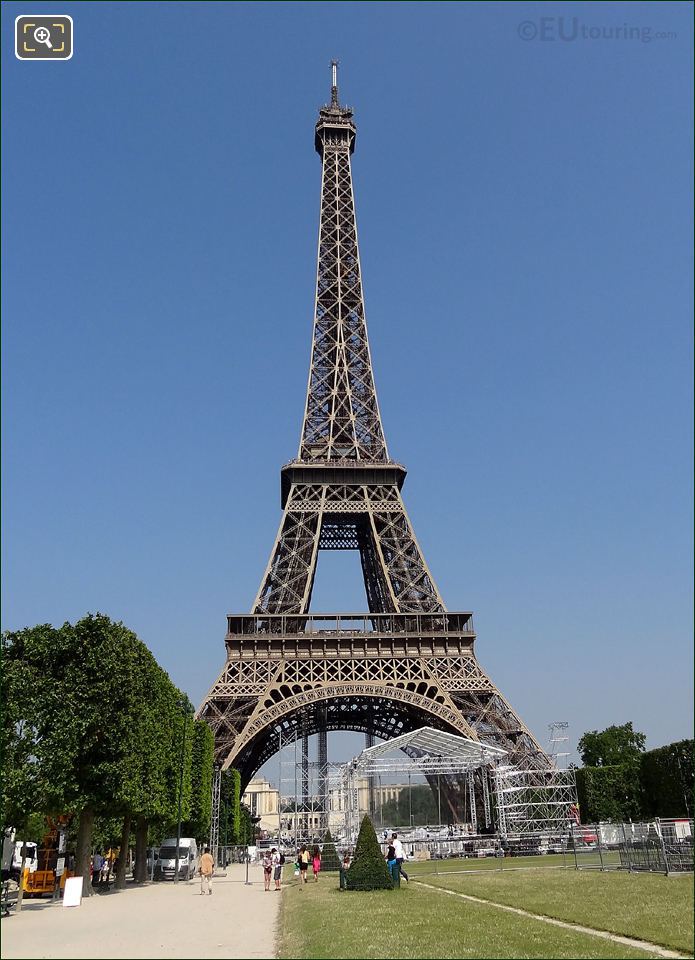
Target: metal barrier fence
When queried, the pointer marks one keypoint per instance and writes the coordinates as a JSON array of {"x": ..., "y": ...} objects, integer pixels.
[
  {"x": 659, "y": 846},
  {"x": 231, "y": 854},
  {"x": 677, "y": 840},
  {"x": 481, "y": 852}
]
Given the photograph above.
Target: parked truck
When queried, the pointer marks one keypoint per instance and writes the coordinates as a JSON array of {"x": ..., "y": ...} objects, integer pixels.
[{"x": 165, "y": 866}]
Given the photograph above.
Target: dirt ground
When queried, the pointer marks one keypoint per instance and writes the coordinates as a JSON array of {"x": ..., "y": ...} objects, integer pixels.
[{"x": 159, "y": 920}]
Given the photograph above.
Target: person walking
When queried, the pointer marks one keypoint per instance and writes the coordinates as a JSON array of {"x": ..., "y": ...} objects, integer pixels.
[
  {"x": 391, "y": 863},
  {"x": 400, "y": 856},
  {"x": 304, "y": 857},
  {"x": 344, "y": 867},
  {"x": 316, "y": 862},
  {"x": 207, "y": 867},
  {"x": 278, "y": 860},
  {"x": 267, "y": 868},
  {"x": 97, "y": 867}
]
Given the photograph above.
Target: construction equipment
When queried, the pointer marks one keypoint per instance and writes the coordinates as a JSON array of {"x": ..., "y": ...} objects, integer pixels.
[{"x": 50, "y": 873}]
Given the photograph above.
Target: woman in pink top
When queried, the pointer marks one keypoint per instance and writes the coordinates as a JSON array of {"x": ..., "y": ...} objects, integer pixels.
[{"x": 316, "y": 862}]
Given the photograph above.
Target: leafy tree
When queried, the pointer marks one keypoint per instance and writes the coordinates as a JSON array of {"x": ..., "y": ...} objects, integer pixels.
[
  {"x": 91, "y": 729},
  {"x": 35, "y": 827},
  {"x": 106, "y": 832},
  {"x": 236, "y": 826},
  {"x": 610, "y": 747},
  {"x": 667, "y": 780},
  {"x": 202, "y": 763},
  {"x": 368, "y": 870},
  {"x": 230, "y": 806},
  {"x": 150, "y": 764},
  {"x": 608, "y": 793},
  {"x": 329, "y": 855},
  {"x": 247, "y": 828},
  {"x": 18, "y": 688},
  {"x": 63, "y": 682}
]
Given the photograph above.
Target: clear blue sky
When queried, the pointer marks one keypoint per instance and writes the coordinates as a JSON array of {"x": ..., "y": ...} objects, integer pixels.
[{"x": 524, "y": 216}]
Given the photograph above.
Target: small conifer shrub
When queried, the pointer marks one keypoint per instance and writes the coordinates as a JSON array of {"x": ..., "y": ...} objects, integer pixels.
[
  {"x": 329, "y": 855},
  {"x": 368, "y": 870}
]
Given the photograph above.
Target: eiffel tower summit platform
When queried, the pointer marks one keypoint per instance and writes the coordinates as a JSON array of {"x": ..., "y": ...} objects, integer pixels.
[{"x": 408, "y": 661}]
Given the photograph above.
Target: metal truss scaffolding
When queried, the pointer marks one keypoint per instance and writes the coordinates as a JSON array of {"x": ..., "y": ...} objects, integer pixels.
[
  {"x": 215, "y": 813},
  {"x": 534, "y": 801},
  {"x": 525, "y": 800},
  {"x": 310, "y": 796}
]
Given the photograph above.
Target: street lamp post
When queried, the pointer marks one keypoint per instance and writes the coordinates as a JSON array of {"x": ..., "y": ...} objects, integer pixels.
[{"x": 181, "y": 759}]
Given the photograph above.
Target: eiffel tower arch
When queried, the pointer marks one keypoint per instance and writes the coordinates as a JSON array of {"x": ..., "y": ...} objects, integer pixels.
[{"x": 408, "y": 661}]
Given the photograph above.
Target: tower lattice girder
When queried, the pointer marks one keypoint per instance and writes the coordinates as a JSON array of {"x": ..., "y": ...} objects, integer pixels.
[
  {"x": 408, "y": 662},
  {"x": 365, "y": 516}
]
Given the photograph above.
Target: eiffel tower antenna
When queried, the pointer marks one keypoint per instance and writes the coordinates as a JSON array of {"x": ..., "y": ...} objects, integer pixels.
[
  {"x": 407, "y": 661},
  {"x": 334, "y": 83}
]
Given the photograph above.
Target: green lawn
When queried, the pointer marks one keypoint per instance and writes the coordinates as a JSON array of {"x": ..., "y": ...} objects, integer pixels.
[
  {"x": 645, "y": 906},
  {"x": 413, "y": 922},
  {"x": 423, "y": 868},
  {"x": 549, "y": 861}
]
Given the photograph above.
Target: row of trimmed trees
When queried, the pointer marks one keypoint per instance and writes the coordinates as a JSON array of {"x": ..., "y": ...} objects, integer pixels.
[
  {"x": 94, "y": 727},
  {"x": 621, "y": 781},
  {"x": 236, "y": 826}
]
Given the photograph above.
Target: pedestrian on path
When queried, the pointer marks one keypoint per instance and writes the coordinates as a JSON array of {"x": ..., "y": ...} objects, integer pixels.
[
  {"x": 391, "y": 862},
  {"x": 207, "y": 867},
  {"x": 304, "y": 857},
  {"x": 267, "y": 863},
  {"x": 400, "y": 856},
  {"x": 97, "y": 867},
  {"x": 278, "y": 860},
  {"x": 316, "y": 862},
  {"x": 344, "y": 867}
]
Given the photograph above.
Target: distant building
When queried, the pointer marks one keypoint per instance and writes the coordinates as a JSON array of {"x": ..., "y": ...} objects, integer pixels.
[{"x": 263, "y": 800}]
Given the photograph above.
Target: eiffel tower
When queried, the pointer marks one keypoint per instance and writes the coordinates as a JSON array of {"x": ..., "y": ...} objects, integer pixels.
[{"x": 407, "y": 662}]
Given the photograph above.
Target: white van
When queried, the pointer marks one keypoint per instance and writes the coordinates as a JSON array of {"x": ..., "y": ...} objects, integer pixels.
[
  {"x": 30, "y": 852},
  {"x": 165, "y": 865}
]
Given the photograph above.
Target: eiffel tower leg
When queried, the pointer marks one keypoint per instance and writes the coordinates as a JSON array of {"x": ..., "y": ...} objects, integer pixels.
[
  {"x": 289, "y": 577},
  {"x": 494, "y": 721},
  {"x": 411, "y": 585},
  {"x": 396, "y": 575}
]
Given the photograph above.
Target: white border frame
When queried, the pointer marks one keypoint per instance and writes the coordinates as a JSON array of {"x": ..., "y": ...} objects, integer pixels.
[{"x": 65, "y": 16}]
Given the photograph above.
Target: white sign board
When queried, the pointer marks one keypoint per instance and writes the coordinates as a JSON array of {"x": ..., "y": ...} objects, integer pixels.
[
  {"x": 60, "y": 866},
  {"x": 73, "y": 892}
]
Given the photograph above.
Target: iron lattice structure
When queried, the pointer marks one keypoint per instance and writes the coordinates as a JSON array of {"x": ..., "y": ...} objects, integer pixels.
[
  {"x": 532, "y": 800},
  {"x": 215, "y": 813},
  {"x": 520, "y": 802},
  {"x": 406, "y": 663},
  {"x": 517, "y": 802}
]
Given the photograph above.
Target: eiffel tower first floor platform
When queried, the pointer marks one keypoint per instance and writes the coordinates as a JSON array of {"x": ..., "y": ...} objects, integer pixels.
[{"x": 292, "y": 675}]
